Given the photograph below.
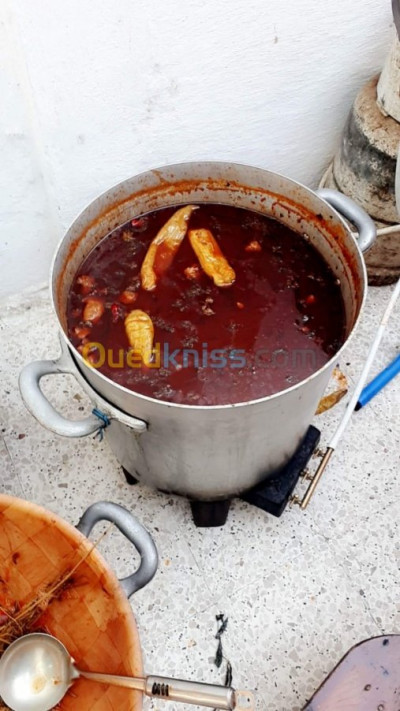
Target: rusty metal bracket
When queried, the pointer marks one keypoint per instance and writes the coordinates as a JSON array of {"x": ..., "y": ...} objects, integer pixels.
[{"x": 314, "y": 481}]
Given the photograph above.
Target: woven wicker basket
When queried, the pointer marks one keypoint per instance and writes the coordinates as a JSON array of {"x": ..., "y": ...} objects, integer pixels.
[{"x": 92, "y": 618}]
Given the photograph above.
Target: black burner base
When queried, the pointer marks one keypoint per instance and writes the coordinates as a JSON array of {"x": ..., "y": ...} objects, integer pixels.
[
  {"x": 274, "y": 493},
  {"x": 209, "y": 514},
  {"x": 271, "y": 495}
]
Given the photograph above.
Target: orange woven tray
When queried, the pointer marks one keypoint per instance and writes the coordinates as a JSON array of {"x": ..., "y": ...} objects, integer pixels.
[{"x": 92, "y": 618}]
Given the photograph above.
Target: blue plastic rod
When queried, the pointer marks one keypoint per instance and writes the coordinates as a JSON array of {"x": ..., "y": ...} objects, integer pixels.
[{"x": 378, "y": 383}]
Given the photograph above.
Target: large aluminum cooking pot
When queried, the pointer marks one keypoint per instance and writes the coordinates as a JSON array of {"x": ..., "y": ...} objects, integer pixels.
[
  {"x": 92, "y": 616},
  {"x": 215, "y": 452}
]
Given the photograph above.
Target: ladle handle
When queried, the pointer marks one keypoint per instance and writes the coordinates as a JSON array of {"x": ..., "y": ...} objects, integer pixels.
[
  {"x": 190, "y": 692},
  {"x": 187, "y": 692}
]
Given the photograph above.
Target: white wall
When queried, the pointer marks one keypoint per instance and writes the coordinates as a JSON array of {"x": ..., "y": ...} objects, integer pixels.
[{"x": 95, "y": 91}]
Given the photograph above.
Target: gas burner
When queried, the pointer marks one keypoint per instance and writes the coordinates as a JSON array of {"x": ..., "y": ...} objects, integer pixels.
[{"x": 271, "y": 495}]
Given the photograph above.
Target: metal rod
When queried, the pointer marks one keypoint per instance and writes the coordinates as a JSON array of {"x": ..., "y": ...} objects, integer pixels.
[
  {"x": 315, "y": 480},
  {"x": 392, "y": 229},
  {"x": 365, "y": 371},
  {"x": 354, "y": 398}
]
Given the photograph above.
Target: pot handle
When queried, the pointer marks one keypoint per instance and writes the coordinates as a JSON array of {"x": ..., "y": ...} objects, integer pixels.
[
  {"x": 134, "y": 532},
  {"x": 39, "y": 406},
  {"x": 352, "y": 212}
]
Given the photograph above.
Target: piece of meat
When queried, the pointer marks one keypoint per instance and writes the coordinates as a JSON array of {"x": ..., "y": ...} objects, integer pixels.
[
  {"x": 93, "y": 311},
  {"x": 164, "y": 247},
  {"x": 140, "y": 332},
  {"x": 211, "y": 259},
  {"x": 86, "y": 282},
  {"x": 193, "y": 273},
  {"x": 253, "y": 246},
  {"x": 81, "y": 331},
  {"x": 128, "y": 297}
]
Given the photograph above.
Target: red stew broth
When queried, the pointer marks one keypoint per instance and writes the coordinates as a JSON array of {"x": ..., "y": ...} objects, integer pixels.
[{"x": 280, "y": 321}]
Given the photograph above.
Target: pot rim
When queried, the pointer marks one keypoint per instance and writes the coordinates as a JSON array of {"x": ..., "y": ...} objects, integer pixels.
[{"x": 132, "y": 393}]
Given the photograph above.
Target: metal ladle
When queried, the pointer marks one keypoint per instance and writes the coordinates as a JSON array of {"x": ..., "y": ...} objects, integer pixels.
[{"x": 36, "y": 672}]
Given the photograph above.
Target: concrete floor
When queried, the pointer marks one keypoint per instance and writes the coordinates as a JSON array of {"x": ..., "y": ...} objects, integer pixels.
[{"x": 298, "y": 591}]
